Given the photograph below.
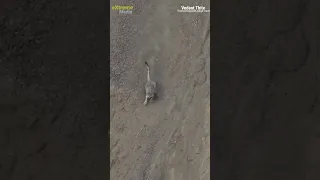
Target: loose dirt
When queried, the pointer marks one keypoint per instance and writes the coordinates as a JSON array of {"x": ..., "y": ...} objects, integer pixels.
[{"x": 170, "y": 138}]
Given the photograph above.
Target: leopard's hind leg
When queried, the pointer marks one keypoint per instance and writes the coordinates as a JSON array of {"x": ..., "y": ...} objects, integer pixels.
[{"x": 145, "y": 101}]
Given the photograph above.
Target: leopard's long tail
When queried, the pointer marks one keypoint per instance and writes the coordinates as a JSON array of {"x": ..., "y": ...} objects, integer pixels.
[{"x": 148, "y": 76}]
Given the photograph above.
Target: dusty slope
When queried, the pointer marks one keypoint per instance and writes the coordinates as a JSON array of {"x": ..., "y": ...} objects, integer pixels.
[{"x": 169, "y": 139}]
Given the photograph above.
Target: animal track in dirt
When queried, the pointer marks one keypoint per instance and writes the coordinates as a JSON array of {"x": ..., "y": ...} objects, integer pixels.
[
  {"x": 198, "y": 65},
  {"x": 204, "y": 90},
  {"x": 155, "y": 171},
  {"x": 174, "y": 138},
  {"x": 200, "y": 78}
]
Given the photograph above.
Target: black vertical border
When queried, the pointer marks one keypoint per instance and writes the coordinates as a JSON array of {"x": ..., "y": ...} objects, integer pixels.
[
  {"x": 107, "y": 33},
  {"x": 219, "y": 140},
  {"x": 216, "y": 141}
]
